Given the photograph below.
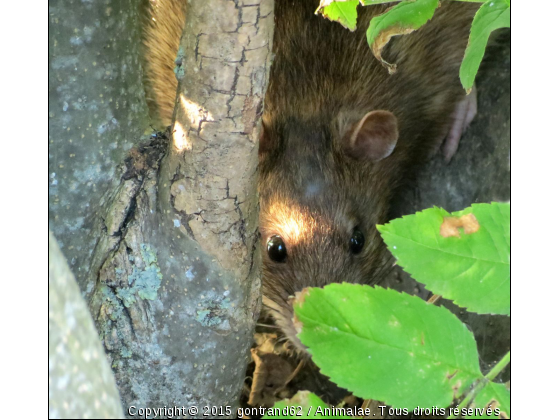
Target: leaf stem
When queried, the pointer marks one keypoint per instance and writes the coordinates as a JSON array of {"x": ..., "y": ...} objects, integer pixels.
[
  {"x": 482, "y": 383},
  {"x": 499, "y": 367}
]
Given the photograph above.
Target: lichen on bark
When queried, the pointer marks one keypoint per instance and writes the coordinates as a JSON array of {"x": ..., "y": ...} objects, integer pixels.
[{"x": 177, "y": 287}]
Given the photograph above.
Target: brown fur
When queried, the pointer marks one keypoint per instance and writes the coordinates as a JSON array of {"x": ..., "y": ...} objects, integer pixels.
[
  {"x": 164, "y": 24},
  {"x": 323, "y": 80}
]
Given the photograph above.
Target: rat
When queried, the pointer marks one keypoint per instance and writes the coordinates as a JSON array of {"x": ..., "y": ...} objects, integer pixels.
[{"x": 340, "y": 137}]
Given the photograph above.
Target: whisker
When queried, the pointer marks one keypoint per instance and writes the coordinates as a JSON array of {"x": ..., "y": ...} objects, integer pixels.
[{"x": 267, "y": 326}]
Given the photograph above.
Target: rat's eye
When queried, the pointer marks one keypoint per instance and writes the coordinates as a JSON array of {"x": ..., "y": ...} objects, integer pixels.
[
  {"x": 276, "y": 249},
  {"x": 357, "y": 241}
]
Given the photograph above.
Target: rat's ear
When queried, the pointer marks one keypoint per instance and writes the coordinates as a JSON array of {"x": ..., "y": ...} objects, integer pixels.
[{"x": 373, "y": 137}]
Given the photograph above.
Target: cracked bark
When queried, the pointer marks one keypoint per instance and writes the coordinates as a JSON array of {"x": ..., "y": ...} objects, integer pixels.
[
  {"x": 177, "y": 288},
  {"x": 164, "y": 251},
  {"x": 212, "y": 166}
]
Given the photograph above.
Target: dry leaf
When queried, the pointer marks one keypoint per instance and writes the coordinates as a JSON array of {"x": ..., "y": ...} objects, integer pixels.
[
  {"x": 270, "y": 376},
  {"x": 450, "y": 225}
]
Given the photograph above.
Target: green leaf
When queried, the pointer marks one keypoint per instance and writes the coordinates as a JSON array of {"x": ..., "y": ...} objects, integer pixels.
[
  {"x": 473, "y": 269},
  {"x": 303, "y": 405},
  {"x": 372, "y": 2},
  {"x": 492, "y": 15},
  {"x": 404, "y": 18},
  {"x": 343, "y": 12},
  {"x": 387, "y": 346},
  {"x": 497, "y": 396}
]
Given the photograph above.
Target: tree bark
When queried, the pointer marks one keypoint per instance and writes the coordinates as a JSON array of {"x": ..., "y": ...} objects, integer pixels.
[
  {"x": 178, "y": 289},
  {"x": 97, "y": 112},
  {"x": 81, "y": 384}
]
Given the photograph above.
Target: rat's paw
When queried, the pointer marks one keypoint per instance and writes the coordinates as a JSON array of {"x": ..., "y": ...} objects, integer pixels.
[{"x": 463, "y": 114}]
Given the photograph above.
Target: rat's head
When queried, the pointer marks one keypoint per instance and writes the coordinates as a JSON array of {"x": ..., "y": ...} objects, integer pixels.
[{"x": 322, "y": 191}]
